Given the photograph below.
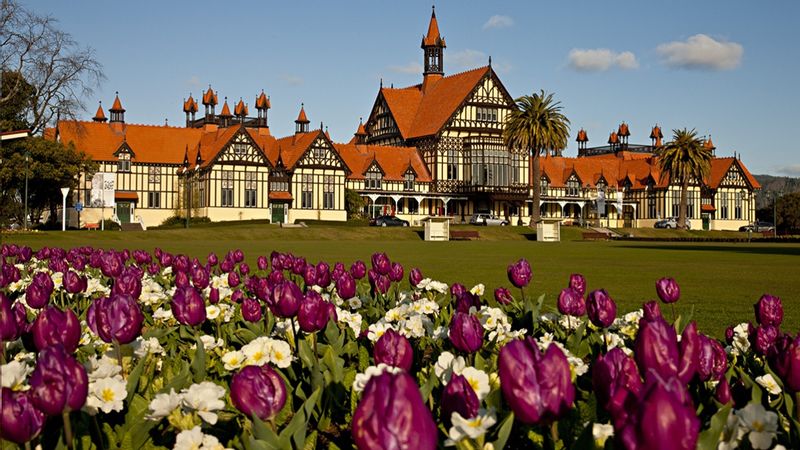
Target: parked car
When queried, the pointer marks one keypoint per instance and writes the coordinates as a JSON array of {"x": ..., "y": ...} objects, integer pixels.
[
  {"x": 758, "y": 227},
  {"x": 388, "y": 221},
  {"x": 487, "y": 219},
  {"x": 671, "y": 222}
]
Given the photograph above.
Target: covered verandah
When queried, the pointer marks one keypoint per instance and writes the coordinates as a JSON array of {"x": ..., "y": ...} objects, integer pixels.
[{"x": 412, "y": 206}]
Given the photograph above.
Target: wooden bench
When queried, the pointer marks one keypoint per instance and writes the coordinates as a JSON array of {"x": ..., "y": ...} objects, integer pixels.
[
  {"x": 595, "y": 236},
  {"x": 91, "y": 226},
  {"x": 463, "y": 235}
]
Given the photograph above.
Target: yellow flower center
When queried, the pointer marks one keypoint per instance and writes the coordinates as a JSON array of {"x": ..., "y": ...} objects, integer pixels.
[
  {"x": 474, "y": 384},
  {"x": 107, "y": 395},
  {"x": 278, "y": 356},
  {"x": 757, "y": 426},
  {"x": 257, "y": 356},
  {"x": 474, "y": 423}
]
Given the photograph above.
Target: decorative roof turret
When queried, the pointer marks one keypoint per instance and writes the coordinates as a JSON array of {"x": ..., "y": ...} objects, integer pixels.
[
  {"x": 241, "y": 109},
  {"x": 226, "y": 111},
  {"x": 301, "y": 123},
  {"x": 582, "y": 136},
  {"x": 623, "y": 130},
  {"x": 190, "y": 105},
  {"x": 262, "y": 101},
  {"x": 709, "y": 144},
  {"x": 613, "y": 138},
  {"x": 361, "y": 133},
  {"x": 210, "y": 97},
  {"x": 433, "y": 38},
  {"x": 656, "y": 136},
  {"x": 117, "y": 111},
  {"x": 99, "y": 116},
  {"x": 433, "y": 46}
]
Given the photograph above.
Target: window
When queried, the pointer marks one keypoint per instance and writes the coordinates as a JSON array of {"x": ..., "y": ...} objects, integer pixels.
[
  {"x": 278, "y": 181},
  {"x": 239, "y": 148},
  {"x": 307, "y": 195},
  {"x": 408, "y": 181},
  {"x": 723, "y": 205},
  {"x": 154, "y": 200},
  {"x": 154, "y": 175},
  {"x": 516, "y": 163},
  {"x": 573, "y": 187},
  {"x": 201, "y": 192},
  {"x": 373, "y": 179},
  {"x": 124, "y": 163},
  {"x": 319, "y": 153},
  {"x": 676, "y": 203},
  {"x": 651, "y": 204},
  {"x": 412, "y": 205},
  {"x": 737, "y": 210},
  {"x": 485, "y": 114},
  {"x": 327, "y": 192},
  {"x": 544, "y": 186},
  {"x": 250, "y": 189},
  {"x": 452, "y": 165},
  {"x": 226, "y": 199}
]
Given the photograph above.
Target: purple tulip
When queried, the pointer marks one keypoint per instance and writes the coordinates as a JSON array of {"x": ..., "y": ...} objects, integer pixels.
[
  {"x": 519, "y": 273},
  {"x": 20, "y": 421},
  {"x": 769, "y": 310},
  {"x": 227, "y": 265},
  {"x": 668, "y": 290},
  {"x": 729, "y": 333},
  {"x": 466, "y": 332},
  {"x": 393, "y": 348},
  {"x": 200, "y": 277},
  {"x": 578, "y": 282},
  {"x": 789, "y": 367},
  {"x": 251, "y": 310},
  {"x": 111, "y": 264},
  {"x": 616, "y": 382},
  {"x": 323, "y": 275},
  {"x": 299, "y": 266},
  {"x": 213, "y": 296},
  {"x": 58, "y": 383},
  {"x": 457, "y": 289},
  {"x": 358, "y": 270},
  {"x": 37, "y": 295},
  {"x": 538, "y": 387},
  {"x": 262, "y": 263},
  {"x": 244, "y": 269},
  {"x": 285, "y": 301},
  {"x": 381, "y": 284},
  {"x": 259, "y": 391},
  {"x": 238, "y": 255},
  {"x": 212, "y": 259},
  {"x": 188, "y": 306},
  {"x": 764, "y": 338},
  {"x": 656, "y": 348},
  {"x": 8, "y": 324},
  {"x": 458, "y": 396},
  {"x": 467, "y": 300},
  {"x": 723, "y": 392},
  {"x": 601, "y": 308},
  {"x": 181, "y": 280},
  {"x": 314, "y": 312},
  {"x": 652, "y": 311},
  {"x": 571, "y": 303},
  {"x": 74, "y": 283},
  {"x": 503, "y": 296},
  {"x": 414, "y": 277},
  {"x": 310, "y": 275},
  {"x": 338, "y": 270},
  {"x": 690, "y": 350},
  {"x": 128, "y": 283},
  {"x": 381, "y": 263},
  {"x": 116, "y": 319},
  {"x": 233, "y": 279},
  {"x": 393, "y": 415},
  {"x": 53, "y": 326},
  {"x": 396, "y": 273},
  {"x": 346, "y": 286},
  {"x": 712, "y": 362}
]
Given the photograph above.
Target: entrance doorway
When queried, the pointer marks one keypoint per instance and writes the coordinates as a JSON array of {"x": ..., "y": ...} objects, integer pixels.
[
  {"x": 278, "y": 212},
  {"x": 124, "y": 212}
]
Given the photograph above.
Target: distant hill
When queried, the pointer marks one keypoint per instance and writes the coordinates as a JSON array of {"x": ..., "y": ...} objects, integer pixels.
[{"x": 770, "y": 184}]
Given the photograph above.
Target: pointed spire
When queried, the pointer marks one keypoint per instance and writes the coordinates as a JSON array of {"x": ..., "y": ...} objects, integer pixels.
[
  {"x": 709, "y": 144},
  {"x": 210, "y": 97},
  {"x": 99, "y": 116},
  {"x": 226, "y": 111},
  {"x": 262, "y": 101},
  {"x": 433, "y": 38},
  {"x": 623, "y": 130},
  {"x": 190, "y": 105},
  {"x": 582, "y": 136},
  {"x": 613, "y": 138},
  {"x": 241, "y": 109},
  {"x": 302, "y": 118},
  {"x": 117, "y": 106}
]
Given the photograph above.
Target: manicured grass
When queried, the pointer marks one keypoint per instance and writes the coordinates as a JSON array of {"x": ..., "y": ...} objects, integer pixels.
[{"x": 719, "y": 281}]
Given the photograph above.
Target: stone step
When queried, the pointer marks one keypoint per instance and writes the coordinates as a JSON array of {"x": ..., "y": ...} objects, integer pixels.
[{"x": 131, "y": 227}]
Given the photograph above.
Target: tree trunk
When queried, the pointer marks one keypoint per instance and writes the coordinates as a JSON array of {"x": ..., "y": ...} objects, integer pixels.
[
  {"x": 684, "y": 203},
  {"x": 537, "y": 177}
]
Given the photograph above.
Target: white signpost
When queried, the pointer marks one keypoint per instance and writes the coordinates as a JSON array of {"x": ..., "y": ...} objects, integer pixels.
[
  {"x": 103, "y": 193},
  {"x": 64, "y": 193}
]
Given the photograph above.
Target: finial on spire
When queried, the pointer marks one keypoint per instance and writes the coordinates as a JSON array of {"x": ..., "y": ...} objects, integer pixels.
[{"x": 490, "y": 60}]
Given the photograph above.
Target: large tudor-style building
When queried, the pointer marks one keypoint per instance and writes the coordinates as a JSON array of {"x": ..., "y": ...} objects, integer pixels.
[{"x": 434, "y": 148}]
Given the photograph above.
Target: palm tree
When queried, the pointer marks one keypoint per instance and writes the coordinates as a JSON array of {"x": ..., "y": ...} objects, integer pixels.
[
  {"x": 536, "y": 125},
  {"x": 683, "y": 159}
]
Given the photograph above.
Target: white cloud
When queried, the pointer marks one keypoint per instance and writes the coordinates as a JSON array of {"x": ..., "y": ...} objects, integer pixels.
[
  {"x": 600, "y": 60},
  {"x": 467, "y": 58},
  {"x": 194, "y": 81},
  {"x": 410, "y": 68},
  {"x": 498, "y": 21},
  {"x": 792, "y": 170},
  {"x": 292, "y": 80},
  {"x": 701, "y": 52}
]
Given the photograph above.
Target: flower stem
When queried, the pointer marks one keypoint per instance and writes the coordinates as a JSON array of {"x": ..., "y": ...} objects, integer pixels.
[
  {"x": 797, "y": 404},
  {"x": 118, "y": 348},
  {"x": 67, "y": 429},
  {"x": 672, "y": 305},
  {"x": 554, "y": 432}
]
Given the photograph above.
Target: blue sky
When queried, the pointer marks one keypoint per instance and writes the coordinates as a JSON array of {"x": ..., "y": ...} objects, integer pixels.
[{"x": 728, "y": 68}]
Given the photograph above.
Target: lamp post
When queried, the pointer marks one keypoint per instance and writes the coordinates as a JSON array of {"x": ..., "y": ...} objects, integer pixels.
[
  {"x": 27, "y": 169},
  {"x": 64, "y": 193},
  {"x": 775, "y": 196}
]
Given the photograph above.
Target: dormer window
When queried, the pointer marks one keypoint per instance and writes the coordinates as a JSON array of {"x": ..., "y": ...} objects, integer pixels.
[
  {"x": 124, "y": 162},
  {"x": 278, "y": 181},
  {"x": 373, "y": 178},
  {"x": 239, "y": 148},
  {"x": 626, "y": 186},
  {"x": 485, "y": 114},
  {"x": 573, "y": 187},
  {"x": 544, "y": 186},
  {"x": 408, "y": 181}
]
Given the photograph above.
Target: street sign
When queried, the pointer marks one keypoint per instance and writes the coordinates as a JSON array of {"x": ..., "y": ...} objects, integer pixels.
[{"x": 79, "y": 207}]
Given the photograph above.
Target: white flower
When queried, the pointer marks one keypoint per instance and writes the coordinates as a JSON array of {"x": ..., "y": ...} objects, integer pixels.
[
  {"x": 209, "y": 343},
  {"x": 741, "y": 339},
  {"x": 762, "y": 425},
  {"x": 189, "y": 439},
  {"x": 280, "y": 354},
  {"x": 431, "y": 285},
  {"x": 769, "y": 383},
  {"x": 601, "y": 432},
  {"x": 447, "y": 364},
  {"x": 103, "y": 367},
  {"x": 233, "y": 360},
  {"x": 376, "y": 330},
  {"x": 13, "y": 375},
  {"x": 477, "y": 289},
  {"x": 478, "y": 379},
  {"x": 284, "y": 328},
  {"x": 354, "y": 303},
  {"x": 212, "y": 312},
  {"x": 471, "y": 428},
  {"x": 144, "y": 347},
  {"x": 106, "y": 394},
  {"x": 162, "y": 314},
  {"x": 415, "y": 326},
  {"x": 440, "y": 333},
  {"x": 162, "y": 405},
  {"x": 362, "y": 378},
  {"x": 731, "y": 434},
  {"x": 227, "y": 311},
  {"x": 257, "y": 352},
  {"x": 204, "y": 398}
]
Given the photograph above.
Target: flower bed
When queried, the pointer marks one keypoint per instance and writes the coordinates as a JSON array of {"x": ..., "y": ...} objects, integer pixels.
[{"x": 105, "y": 349}]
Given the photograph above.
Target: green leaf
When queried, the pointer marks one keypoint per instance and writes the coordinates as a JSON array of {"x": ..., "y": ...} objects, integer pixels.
[
  {"x": 264, "y": 433},
  {"x": 335, "y": 365},
  {"x": 133, "y": 378},
  {"x": 709, "y": 438},
  {"x": 199, "y": 362},
  {"x": 504, "y": 432}
]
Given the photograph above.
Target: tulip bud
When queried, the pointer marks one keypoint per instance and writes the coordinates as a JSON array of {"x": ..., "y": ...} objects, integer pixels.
[
  {"x": 467, "y": 300},
  {"x": 414, "y": 277},
  {"x": 538, "y": 387},
  {"x": 712, "y": 362},
  {"x": 791, "y": 366},
  {"x": 58, "y": 383},
  {"x": 285, "y": 300},
  {"x": 118, "y": 319},
  {"x": 764, "y": 338},
  {"x": 310, "y": 275},
  {"x": 396, "y": 273},
  {"x": 212, "y": 259},
  {"x": 213, "y": 296},
  {"x": 181, "y": 280},
  {"x": 20, "y": 421},
  {"x": 188, "y": 306},
  {"x": 128, "y": 283},
  {"x": 393, "y": 348},
  {"x": 259, "y": 391},
  {"x": 578, "y": 283},
  {"x": 233, "y": 279},
  {"x": 503, "y": 296},
  {"x": 457, "y": 289},
  {"x": 53, "y": 326},
  {"x": 346, "y": 286},
  {"x": 251, "y": 310},
  {"x": 226, "y": 266},
  {"x": 111, "y": 264},
  {"x": 656, "y": 348},
  {"x": 392, "y": 414},
  {"x": 262, "y": 263},
  {"x": 689, "y": 352},
  {"x": 458, "y": 396},
  {"x": 200, "y": 277},
  {"x": 668, "y": 290},
  {"x": 74, "y": 283},
  {"x": 314, "y": 312},
  {"x": 37, "y": 295},
  {"x": 601, "y": 308},
  {"x": 382, "y": 284},
  {"x": 652, "y": 311},
  {"x": 520, "y": 273},
  {"x": 769, "y": 310},
  {"x": 358, "y": 270},
  {"x": 9, "y": 330},
  {"x": 723, "y": 392},
  {"x": 323, "y": 275},
  {"x": 616, "y": 382},
  {"x": 466, "y": 332},
  {"x": 571, "y": 303},
  {"x": 299, "y": 266},
  {"x": 381, "y": 263}
]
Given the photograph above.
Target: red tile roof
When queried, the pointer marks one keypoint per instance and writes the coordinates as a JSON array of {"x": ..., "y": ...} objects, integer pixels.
[
  {"x": 279, "y": 195},
  {"x": 226, "y": 111},
  {"x": 210, "y": 97},
  {"x": 720, "y": 167},
  {"x": 126, "y": 195},
  {"x": 709, "y": 144},
  {"x": 190, "y": 105},
  {"x": 302, "y": 118},
  {"x": 433, "y": 37},
  {"x": 117, "y": 106},
  {"x": 99, "y": 116},
  {"x": 394, "y": 161},
  {"x": 262, "y": 101},
  {"x": 240, "y": 109}
]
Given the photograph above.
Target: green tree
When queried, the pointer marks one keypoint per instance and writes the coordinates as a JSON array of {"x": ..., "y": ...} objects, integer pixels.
[
  {"x": 537, "y": 125},
  {"x": 354, "y": 203},
  {"x": 788, "y": 213},
  {"x": 684, "y": 159}
]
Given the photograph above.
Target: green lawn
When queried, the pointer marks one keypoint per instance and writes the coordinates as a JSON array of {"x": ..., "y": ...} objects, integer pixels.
[{"x": 721, "y": 281}]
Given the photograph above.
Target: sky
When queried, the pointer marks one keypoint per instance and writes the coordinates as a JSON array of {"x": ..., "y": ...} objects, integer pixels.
[{"x": 728, "y": 69}]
